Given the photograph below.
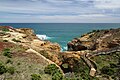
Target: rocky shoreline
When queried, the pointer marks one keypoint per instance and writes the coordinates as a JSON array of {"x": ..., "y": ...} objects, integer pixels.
[{"x": 85, "y": 59}]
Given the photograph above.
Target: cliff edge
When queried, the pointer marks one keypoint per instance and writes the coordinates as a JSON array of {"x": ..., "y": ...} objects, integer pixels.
[
  {"x": 93, "y": 56},
  {"x": 23, "y": 56}
]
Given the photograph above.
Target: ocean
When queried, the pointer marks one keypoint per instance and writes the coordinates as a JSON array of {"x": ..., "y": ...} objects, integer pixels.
[{"x": 62, "y": 33}]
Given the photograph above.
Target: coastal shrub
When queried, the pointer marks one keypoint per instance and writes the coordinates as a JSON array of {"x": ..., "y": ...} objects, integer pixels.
[
  {"x": 11, "y": 70},
  {"x": 57, "y": 76},
  {"x": 94, "y": 30},
  {"x": 9, "y": 61},
  {"x": 6, "y": 52},
  {"x": 50, "y": 69},
  {"x": 81, "y": 71},
  {"x": 2, "y": 68},
  {"x": 36, "y": 77},
  {"x": 112, "y": 65},
  {"x": 107, "y": 70},
  {"x": 15, "y": 40},
  {"x": 53, "y": 70},
  {"x": 5, "y": 40},
  {"x": 5, "y": 29}
]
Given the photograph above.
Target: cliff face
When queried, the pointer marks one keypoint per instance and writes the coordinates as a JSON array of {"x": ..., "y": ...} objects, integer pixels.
[
  {"x": 95, "y": 55},
  {"x": 27, "y": 38},
  {"x": 96, "y": 40},
  {"x": 22, "y": 50},
  {"x": 100, "y": 50}
]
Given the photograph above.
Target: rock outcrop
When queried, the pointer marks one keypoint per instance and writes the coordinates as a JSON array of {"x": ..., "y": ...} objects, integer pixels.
[
  {"x": 27, "y": 38},
  {"x": 24, "y": 42},
  {"x": 82, "y": 58},
  {"x": 96, "y": 40}
]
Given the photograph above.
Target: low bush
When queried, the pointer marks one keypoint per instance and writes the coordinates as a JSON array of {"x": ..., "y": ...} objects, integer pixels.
[
  {"x": 15, "y": 40},
  {"x": 6, "y": 52},
  {"x": 53, "y": 70},
  {"x": 107, "y": 70},
  {"x": 11, "y": 70},
  {"x": 5, "y": 29},
  {"x": 5, "y": 40},
  {"x": 36, "y": 77},
  {"x": 50, "y": 69},
  {"x": 9, "y": 61},
  {"x": 112, "y": 65},
  {"x": 2, "y": 68},
  {"x": 57, "y": 75}
]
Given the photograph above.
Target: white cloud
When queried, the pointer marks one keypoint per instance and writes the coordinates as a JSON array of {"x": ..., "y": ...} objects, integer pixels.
[
  {"x": 91, "y": 18},
  {"x": 60, "y": 10},
  {"x": 60, "y": 1},
  {"x": 33, "y": 0},
  {"x": 107, "y": 4}
]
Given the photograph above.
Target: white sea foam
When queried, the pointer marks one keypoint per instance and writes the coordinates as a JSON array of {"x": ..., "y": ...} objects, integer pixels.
[
  {"x": 61, "y": 49},
  {"x": 43, "y": 37},
  {"x": 65, "y": 48}
]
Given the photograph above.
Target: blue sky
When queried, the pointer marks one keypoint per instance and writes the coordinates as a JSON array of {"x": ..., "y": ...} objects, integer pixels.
[{"x": 59, "y": 11}]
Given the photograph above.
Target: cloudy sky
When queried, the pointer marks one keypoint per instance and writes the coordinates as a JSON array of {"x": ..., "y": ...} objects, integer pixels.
[{"x": 60, "y": 11}]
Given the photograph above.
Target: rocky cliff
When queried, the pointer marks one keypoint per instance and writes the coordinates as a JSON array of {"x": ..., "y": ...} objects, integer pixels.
[
  {"x": 100, "y": 50},
  {"x": 25, "y": 54},
  {"x": 96, "y": 40},
  {"x": 93, "y": 56}
]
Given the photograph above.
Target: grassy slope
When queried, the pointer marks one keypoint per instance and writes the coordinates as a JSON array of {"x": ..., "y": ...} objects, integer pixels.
[
  {"x": 111, "y": 61},
  {"x": 25, "y": 64}
]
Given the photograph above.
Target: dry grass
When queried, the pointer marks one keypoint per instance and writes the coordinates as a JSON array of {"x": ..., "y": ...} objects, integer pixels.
[{"x": 25, "y": 64}]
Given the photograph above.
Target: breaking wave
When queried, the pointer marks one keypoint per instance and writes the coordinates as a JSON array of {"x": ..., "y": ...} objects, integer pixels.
[
  {"x": 64, "y": 48},
  {"x": 43, "y": 37}
]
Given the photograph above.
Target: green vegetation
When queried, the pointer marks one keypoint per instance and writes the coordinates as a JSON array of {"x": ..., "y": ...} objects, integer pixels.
[
  {"x": 53, "y": 70},
  {"x": 11, "y": 70},
  {"x": 36, "y": 77},
  {"x": 50, "y": 69},
  {"x": 15, "y": 40},
  {"x": 12, "y": 66},
  {"x": 28, "y": 66},
  {"x": 80, "y": 71},
  {"x": 6, "y": 52},
  {"x": 2, "y": 68},
  {"x": 107, "y": 65},
  {"x": 107, "y": 70},
  {"x": 5, "y": 40},
  {"x": 90, "y": 33},
  {"x": 5, "y": 29},
  {"x": 82, "y": 35},
  {"x": 9, "y": 61}
]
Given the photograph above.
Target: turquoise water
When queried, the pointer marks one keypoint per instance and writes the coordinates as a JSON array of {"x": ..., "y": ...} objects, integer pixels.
[{"x": 62, "y": 32}]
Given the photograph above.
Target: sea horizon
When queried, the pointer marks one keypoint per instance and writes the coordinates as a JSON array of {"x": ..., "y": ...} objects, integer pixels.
[{"x": 61, "y": 23}]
